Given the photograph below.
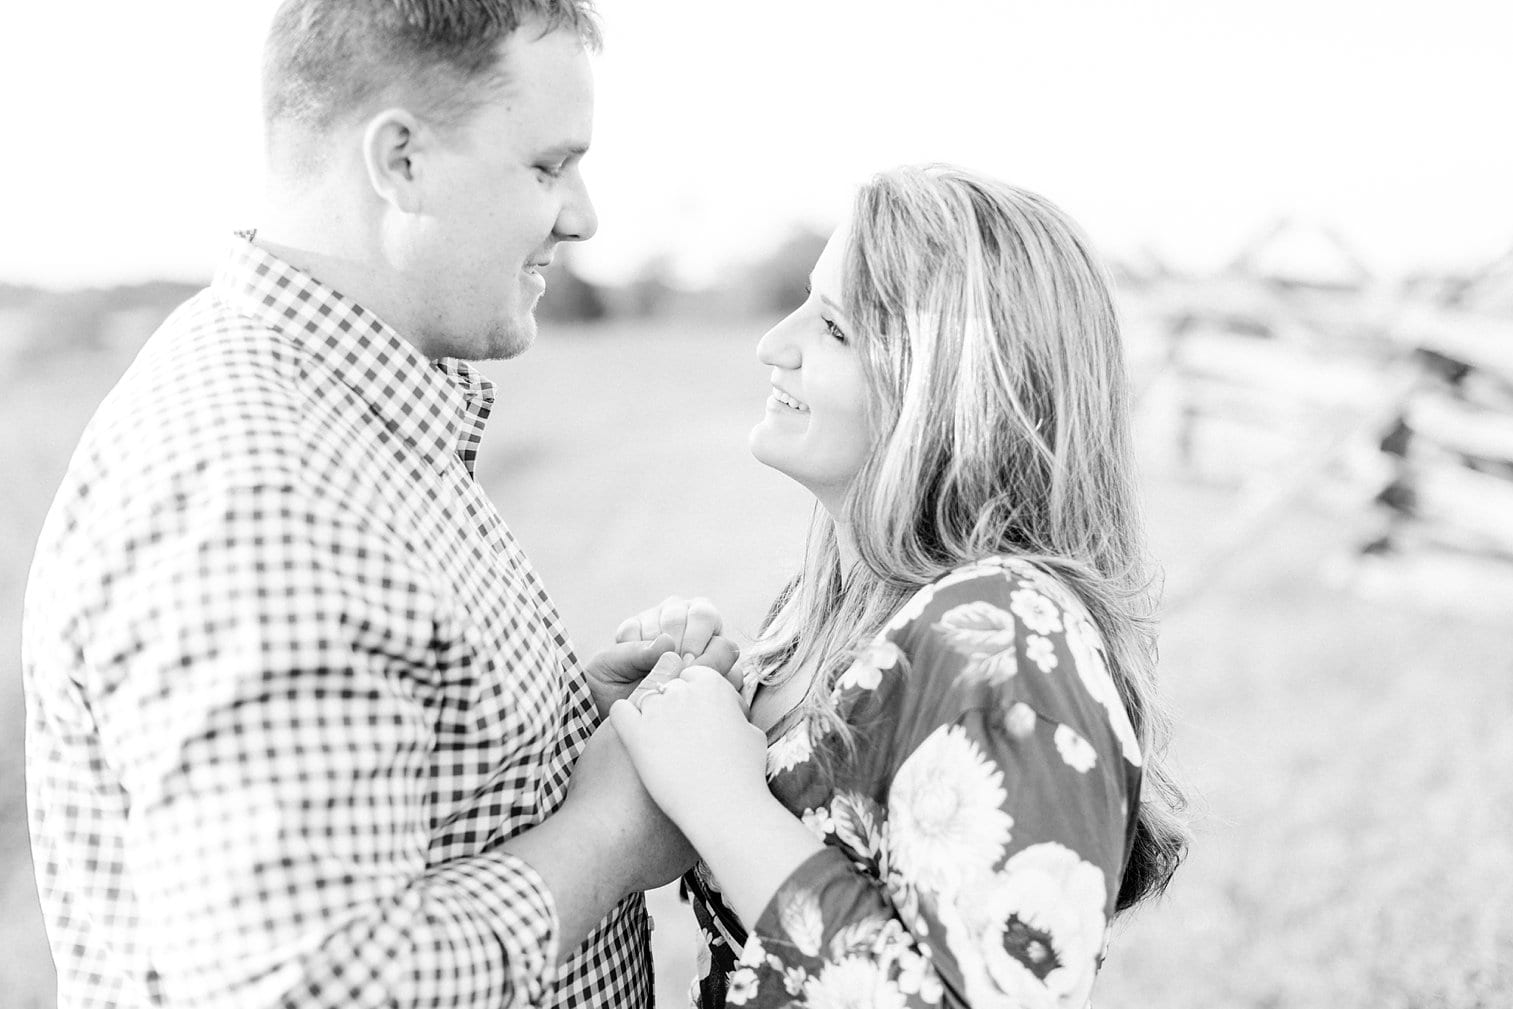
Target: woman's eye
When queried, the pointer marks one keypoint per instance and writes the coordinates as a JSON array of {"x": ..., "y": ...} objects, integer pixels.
[{"x": 835, "y": 331}]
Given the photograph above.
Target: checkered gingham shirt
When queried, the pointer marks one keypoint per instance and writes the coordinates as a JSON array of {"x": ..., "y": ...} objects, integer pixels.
[{"x": 290, "y": 681}]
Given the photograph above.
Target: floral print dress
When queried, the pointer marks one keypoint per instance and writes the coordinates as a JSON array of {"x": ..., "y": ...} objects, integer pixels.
[{"x": 975, "y": 844}]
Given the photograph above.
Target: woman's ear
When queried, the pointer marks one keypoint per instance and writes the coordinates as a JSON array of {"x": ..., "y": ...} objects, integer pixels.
[{"x": 391, "y": 148}]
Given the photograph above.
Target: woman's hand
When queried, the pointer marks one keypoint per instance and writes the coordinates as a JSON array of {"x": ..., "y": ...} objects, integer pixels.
[
  {"x": 705, "y": 765},
  {"x": 650, "y": 850},
  {"x": 694, "y": 750}
]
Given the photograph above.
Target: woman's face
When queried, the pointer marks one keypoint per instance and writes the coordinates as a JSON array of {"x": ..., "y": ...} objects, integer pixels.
[{"x": 816, "y": 428}]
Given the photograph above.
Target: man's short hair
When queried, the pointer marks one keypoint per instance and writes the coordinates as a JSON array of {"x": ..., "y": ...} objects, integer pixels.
[{"x": 325, "y": 58}]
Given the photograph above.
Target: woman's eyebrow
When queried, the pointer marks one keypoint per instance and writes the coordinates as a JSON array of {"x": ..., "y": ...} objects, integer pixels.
[
  {"x": 567, "y": 150},
  {"x": 809, "y": 289}
]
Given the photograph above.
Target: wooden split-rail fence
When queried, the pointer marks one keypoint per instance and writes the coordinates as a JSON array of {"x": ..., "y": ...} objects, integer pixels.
[{"x": 1399, "y": 412}]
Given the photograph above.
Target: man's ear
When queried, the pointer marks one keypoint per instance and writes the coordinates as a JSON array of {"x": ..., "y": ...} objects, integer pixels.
[{"x": 390, "y": 147}]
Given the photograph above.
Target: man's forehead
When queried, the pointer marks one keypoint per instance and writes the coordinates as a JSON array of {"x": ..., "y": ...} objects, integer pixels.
[{"x": 547, "y": 87}]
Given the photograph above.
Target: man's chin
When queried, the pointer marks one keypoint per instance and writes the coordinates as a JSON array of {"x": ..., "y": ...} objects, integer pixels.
[
  {"x": 514, "y": 341},
  {"x": 500, "y": 343}
]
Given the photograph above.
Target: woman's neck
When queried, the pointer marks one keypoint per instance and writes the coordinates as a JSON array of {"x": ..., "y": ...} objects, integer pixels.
[{"x": 845, "y": 549}]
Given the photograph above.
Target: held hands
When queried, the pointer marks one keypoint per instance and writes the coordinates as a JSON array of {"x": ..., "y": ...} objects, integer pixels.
[
  {"x": 693, "y": 624},
  {"x": 686, "y": 627},
  {"x": 649, "y": 849},
  {"x": 692, "y": 745}
]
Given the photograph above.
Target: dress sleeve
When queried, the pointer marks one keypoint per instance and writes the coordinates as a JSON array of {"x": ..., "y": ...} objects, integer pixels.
[
  {"x": 982, "y": 869},
  {"x": 263, "y": 690}
]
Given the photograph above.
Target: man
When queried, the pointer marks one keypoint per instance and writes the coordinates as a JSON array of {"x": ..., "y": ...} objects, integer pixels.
[{"x": 302, "y": 719}]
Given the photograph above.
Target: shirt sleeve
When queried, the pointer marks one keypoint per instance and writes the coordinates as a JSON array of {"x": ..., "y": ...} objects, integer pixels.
[
  {"x": 262, "y": 681},
  {"x": 984, "y": 869}
]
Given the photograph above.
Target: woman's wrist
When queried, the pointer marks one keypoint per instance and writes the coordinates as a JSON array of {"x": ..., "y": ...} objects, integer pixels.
[
  {"x": 719, "y": 814},
  {"x": 752, "y": 844}
]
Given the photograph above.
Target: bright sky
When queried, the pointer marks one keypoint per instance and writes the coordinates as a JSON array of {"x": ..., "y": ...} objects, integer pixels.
[{"x": 1184, "y": 125}]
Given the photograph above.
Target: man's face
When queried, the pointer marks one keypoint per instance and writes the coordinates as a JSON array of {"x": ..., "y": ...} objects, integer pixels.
[{"x": 502, "y": 191}]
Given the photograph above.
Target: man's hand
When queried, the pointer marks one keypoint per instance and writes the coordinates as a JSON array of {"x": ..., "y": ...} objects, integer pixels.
[
  {"x": 693, "y": 624},
  {"x": 613, "y": 673},
  {"x": 605, "y": 789},
  {"x": 606, "y": 841},
  {"x": 681, "y": 626}
]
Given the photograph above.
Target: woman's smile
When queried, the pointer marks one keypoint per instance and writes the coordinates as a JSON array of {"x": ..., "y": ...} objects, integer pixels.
[{"x": 784, "y": 401}]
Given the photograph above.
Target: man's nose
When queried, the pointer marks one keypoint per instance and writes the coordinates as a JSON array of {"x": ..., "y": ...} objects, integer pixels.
[{"x": 578, "y": 220}]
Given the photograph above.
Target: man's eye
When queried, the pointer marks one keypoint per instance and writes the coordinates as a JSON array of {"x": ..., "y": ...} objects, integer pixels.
[{"x": 550, "y": 171}]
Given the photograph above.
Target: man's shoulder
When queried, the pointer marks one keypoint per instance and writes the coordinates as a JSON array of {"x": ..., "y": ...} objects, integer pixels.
[
  {"x": 207, "y": 344},
  {"x": 208, "y": 379},
  {"x": 213, "y": 399}
]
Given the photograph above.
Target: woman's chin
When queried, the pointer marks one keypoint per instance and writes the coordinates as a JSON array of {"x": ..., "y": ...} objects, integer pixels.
[
  {"x": 763, "y": 452},
  {"x": 757, "y": 444}
]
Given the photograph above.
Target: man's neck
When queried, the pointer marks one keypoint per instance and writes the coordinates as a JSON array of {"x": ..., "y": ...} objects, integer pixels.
[{"x": 316, "y": 235}]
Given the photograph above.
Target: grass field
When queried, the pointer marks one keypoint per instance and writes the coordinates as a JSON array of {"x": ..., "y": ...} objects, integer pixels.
[{"x": 1350, "y": 759}]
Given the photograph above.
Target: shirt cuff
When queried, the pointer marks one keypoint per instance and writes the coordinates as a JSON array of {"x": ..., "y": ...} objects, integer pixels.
[
  {"x": 524, "y": 916},
  {"x": 810, "y": 875}
]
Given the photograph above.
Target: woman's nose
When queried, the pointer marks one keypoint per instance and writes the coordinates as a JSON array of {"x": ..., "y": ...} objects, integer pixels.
[{"x": 777, "y": 347}]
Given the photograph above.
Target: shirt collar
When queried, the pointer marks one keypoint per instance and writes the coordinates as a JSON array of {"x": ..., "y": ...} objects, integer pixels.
[{"x": 439, "y": 407}]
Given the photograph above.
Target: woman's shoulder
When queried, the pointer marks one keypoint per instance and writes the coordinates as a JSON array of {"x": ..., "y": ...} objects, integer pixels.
[
  {"x": 1003, "y": 632},
  {"x": 1030, "y": 594}
]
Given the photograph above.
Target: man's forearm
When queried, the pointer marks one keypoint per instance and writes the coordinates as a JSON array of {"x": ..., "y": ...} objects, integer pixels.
[{"x": 586, "y": 881}]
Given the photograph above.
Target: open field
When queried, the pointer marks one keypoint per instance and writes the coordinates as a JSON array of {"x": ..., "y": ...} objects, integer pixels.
[{"x": 1354, "y": 806}]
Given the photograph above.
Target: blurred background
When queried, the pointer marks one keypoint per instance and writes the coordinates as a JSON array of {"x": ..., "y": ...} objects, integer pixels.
[{"x": 1307, "y": 210}]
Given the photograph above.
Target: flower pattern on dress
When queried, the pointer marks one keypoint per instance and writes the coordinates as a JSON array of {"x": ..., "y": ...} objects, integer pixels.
[
  {"x": 915, "y": 977},
  {"x": 867, "y": 671},
  {"x": 1076, "y": 751},
  {"x": 803, "y": 923},
  {"x": 945, "y": 817},
  {"x": 973, "y": 840},
  {"x": 853, "y": 983},
  {"x": 789, "y": 750},
  {"x": 912, "y": 608},
  {"x": 818, "y": 821},
  {"x": 1020, "y": 720},
  {"x": 1048, "y": 909},
  {"x": 1041, "y": 651},
  {"x": 743, "y": 986},
  {"x": 855, "y": 818},
  {"x": 753, "y": 953},
  {"x": 1087, "y": 652},
  {"x": 1038, "y": 613},
  {"x": 1032, "y": 577},
  {"x": 985, "y": 634}
]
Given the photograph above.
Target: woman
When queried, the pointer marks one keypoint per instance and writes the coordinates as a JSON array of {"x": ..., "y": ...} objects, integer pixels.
[{"x": 948, "y": 784}]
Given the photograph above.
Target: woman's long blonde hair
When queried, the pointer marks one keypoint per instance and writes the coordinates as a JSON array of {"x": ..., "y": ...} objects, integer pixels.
[{"x": 987, "y": 331}]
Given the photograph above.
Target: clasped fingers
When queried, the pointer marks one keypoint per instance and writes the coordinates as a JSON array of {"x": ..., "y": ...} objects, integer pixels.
[
  {"x": 699, "y": 687},
  {"x": 692, "y": 623}
]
